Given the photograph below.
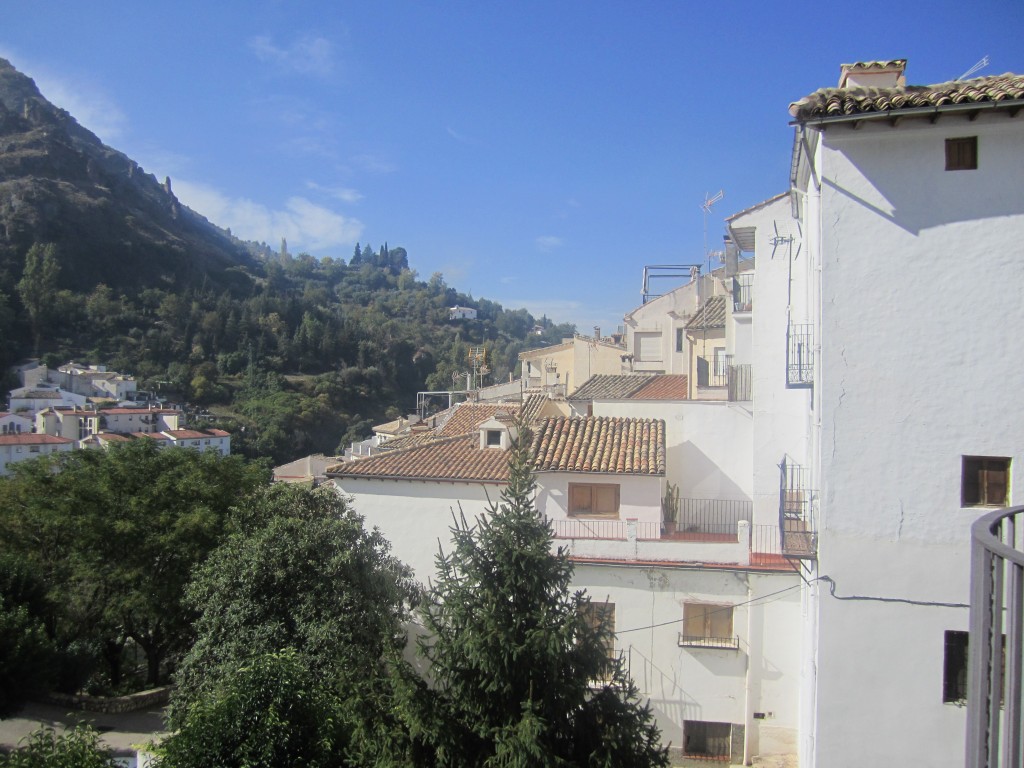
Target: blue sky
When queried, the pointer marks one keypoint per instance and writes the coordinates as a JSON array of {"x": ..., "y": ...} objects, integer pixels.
[{"x": 538, "y": 154}]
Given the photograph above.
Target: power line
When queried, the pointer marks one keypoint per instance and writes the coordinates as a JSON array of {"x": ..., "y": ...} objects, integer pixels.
[{"x": 717, "y": 610}]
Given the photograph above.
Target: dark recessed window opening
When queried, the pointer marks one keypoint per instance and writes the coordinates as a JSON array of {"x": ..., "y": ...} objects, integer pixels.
[
  {"x": 984, "y": 481},
  {"x": 494, "y": 438},
  {"x": 962, "y": 154},
  {"x": 954, "y": 668}
]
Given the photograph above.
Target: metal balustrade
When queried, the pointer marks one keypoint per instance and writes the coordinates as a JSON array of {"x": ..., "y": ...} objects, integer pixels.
[{"x": 995, "y": 672}]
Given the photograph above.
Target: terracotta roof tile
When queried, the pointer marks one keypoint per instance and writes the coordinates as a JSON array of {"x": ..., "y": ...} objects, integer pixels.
[
  {"x": 466, "y": 417},
  {"x": 600, "y": 444},
  {"x": 843, "y": 102},
  {"x": 29, "y": 438},
  {"x": 664, "y": 387},
  {"x": 408, "y": 441},
  {"x": 454, "y": 459},
  {"x": 611, "y": 386},
  {"x": 710, "y": 315}
]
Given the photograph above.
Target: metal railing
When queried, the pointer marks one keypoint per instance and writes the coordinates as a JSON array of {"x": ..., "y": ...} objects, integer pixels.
[
  {"x": 799, "y": 535},
  {"x": 743, "y": 292},
  {"x": 702, "y": 641},
  {"x": 995, "y": 669},
  {"x": 719, "y": 516},
  {"x": 615, "y": 530},
  {"x": 800, "y": 355}
]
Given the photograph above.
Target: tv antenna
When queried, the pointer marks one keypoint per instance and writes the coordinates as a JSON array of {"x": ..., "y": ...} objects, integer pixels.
[
  {"x": 982, "y": 63},
  {"x": 778, "y": 240},
  {"x": 709, "y": 201}
]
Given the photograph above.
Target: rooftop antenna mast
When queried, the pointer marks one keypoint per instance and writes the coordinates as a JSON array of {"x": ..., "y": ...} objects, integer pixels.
[
  {"x": 982, "y": 63},
  {"x": 706, "y": 207}
]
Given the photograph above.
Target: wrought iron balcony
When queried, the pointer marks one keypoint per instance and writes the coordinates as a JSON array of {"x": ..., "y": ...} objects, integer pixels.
[
  {"x": 734, "y": 381},
  {"x": 743, "y": 292},
  {"x": 995, "y": 669},
  {"x": 700, "y": 641},
  {"x": 796, "y": 512},
  {"x": 800, "y": 355}
]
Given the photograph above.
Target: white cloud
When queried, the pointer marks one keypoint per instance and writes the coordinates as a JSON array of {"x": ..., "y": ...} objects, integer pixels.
[
  {"x": 345, "y": 194},
  {"x": 303, "y": 223},
  {"x": 374, "y": 164},
  {"x": 306, "y": 56},
  {"x": 547, "y": 243},
  {"x": 87, "y": 102}
]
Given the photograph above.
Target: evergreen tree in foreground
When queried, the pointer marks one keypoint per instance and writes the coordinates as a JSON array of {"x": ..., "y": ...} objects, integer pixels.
[{"x": 520, "y": 676}]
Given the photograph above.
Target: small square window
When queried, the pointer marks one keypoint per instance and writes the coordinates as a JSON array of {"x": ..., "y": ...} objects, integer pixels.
[
  {"x": 962, "y": 154},
  {"x": 984, "y": 481},
  {"x": 493, "y": 438}
]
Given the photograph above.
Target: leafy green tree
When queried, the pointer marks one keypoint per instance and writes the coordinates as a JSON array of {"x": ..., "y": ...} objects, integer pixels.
[
  {"x": 300, "y": 572},
  {"x": 77, "y": 748},
  {"x": 270, "y": 712},
  {"x": 38, "y": 287},
  {"x": 116, "y": 535},
  {"x": 521, "y": 678},
  {"x": 26, "y": 651}
]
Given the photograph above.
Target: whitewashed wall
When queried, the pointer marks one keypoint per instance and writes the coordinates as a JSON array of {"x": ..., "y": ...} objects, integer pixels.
[
  {"x": 920, "y": 309},
  {"x": 707, "y": 684},
  {"x": 415, "y": 516},
  {"x": 707, "y": 444}
]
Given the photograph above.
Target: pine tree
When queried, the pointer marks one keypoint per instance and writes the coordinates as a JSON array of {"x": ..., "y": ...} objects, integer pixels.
[{"x": 520, "y": 677}]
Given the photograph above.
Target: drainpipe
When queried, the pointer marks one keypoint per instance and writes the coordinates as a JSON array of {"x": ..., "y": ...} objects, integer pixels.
[{"x": 748, "y": 704}]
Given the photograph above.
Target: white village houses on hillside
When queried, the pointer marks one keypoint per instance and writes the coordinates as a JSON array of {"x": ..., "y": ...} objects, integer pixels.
[{"x": 789, "y": 569}]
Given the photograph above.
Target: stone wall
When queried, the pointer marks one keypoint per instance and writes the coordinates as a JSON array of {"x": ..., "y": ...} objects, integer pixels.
[{"x": 113, "y": 704}]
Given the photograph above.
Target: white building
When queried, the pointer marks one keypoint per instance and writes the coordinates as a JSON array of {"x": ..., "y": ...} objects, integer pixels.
[
  {"x": 691, "y": 588},
  {"x": 904, "y": 306},
  {"x": 461, "y": 313},
  {"x": 14, "y": 423},
  {"x": 197, "y": 439},
  {"x": 21, "y": 447}
]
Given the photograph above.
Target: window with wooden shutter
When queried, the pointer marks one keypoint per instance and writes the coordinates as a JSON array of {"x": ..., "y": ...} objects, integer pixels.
[
  {"x": 984, "y": 481},
  {"x": 707, "y": 625},
  {"x": 962, "y": 154},
  {"x": 594, "y": 499}
]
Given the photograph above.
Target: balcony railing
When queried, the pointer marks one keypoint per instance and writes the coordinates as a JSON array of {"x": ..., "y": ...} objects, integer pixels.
[
  {"x": 800, "y": 355},
  {"x": 711, "y": 516},
  {"x": 720, "y": 373},
  {"x": 743, "y": 293},
  {"x": 995, "y": 669},
  {"x": 799, "y": 536},
  {"x": 700, "y": 641}
]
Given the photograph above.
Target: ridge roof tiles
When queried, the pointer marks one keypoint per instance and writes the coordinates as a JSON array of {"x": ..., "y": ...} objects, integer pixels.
[{"x": 843, "y": 102}]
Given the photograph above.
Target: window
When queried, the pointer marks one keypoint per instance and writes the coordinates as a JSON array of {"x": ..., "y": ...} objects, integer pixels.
[
  {"x": 962, "y": 154},
  {"x": 493, "y": 438},
  {"x": 707, "y": 625},
  {"x": 704, "y": 739},
  {"x": 984, "y": 481},
  {"x": 601, "y": 617},
  {"x": 647, "y": 347},
  {"x": 954, "y": 668},
  {"x": 597, "y": 499},
  {"x": 680, "y": 339}
]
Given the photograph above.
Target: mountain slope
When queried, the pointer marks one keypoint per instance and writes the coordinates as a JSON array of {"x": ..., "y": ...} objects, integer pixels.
[{"x": 112, "y": 222}]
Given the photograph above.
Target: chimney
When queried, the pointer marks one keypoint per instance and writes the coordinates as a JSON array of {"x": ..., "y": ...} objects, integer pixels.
[
  {"x": 732, "y": 257},
  {"x": 873, "y": 74}
]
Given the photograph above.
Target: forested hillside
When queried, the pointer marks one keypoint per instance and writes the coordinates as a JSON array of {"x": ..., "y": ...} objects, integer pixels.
[{"x": 100, "y": 263}]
